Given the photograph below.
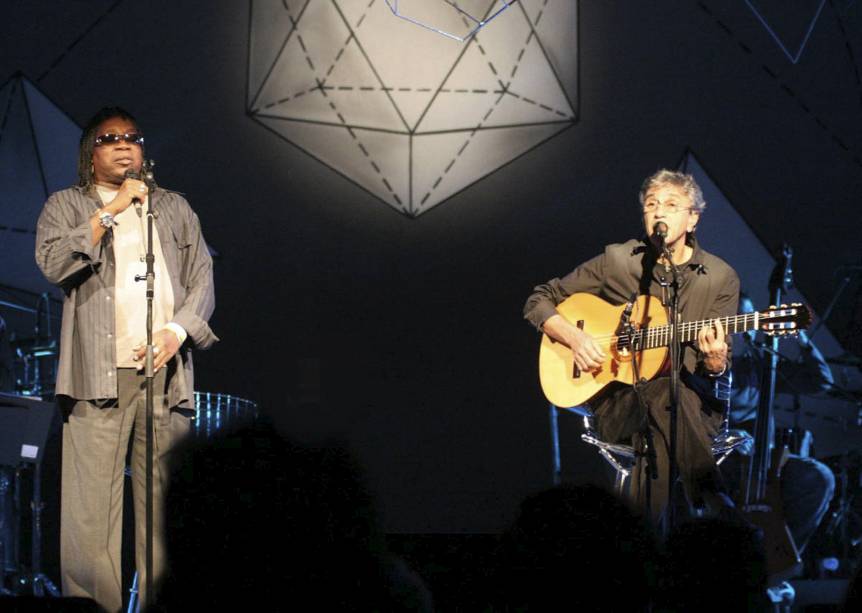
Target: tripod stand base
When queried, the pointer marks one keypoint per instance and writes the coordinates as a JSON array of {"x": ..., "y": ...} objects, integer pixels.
[{"x": 38, "y": 585}]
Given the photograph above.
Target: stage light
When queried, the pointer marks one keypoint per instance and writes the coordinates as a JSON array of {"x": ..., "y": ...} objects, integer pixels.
[{"x": 411, "y": 116}]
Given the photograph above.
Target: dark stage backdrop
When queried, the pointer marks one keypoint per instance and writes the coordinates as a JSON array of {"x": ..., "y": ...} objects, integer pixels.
[{"x": 403, "y": 337}]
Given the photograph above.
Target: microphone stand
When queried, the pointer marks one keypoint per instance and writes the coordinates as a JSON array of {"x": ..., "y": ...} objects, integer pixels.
[
  {"x": 673, "y": 407},
  {"x": 149, "y": 373}
]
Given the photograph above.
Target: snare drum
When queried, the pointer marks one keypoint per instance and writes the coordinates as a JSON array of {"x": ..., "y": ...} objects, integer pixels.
[{"x": 215, "y": 412}]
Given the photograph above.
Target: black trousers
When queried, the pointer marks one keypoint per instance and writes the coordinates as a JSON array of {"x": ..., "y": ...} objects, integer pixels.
[{"x": 620, "y": 419}]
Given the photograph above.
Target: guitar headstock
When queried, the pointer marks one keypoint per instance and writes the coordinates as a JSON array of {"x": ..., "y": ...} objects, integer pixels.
[{"x": 784, "y": 320}]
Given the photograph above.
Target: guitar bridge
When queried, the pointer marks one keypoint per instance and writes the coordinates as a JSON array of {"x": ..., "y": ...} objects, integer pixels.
[{"x": 576, "y": 372}]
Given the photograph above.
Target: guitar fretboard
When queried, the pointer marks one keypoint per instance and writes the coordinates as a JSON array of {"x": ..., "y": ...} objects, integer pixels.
[{"x": 660, "y": 336}]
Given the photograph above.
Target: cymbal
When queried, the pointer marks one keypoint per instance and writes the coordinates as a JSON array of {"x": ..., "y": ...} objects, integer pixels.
[{"x": 846, "y": 359}]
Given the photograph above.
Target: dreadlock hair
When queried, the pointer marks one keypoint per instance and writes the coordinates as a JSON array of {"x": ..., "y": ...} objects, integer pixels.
[{"x": 88, "y": 138}]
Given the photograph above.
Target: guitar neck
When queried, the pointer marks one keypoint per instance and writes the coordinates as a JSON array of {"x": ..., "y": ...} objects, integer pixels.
[{"x": 660, "y": 336}]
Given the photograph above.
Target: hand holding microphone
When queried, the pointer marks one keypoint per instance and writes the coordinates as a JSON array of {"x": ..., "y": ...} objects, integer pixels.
[{"x": 132, "y": 190}]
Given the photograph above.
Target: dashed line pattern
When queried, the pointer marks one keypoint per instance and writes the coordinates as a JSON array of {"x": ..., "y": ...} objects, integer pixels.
[
  {"x": 75, "y": 42},
  {"x": 17, "y": 230},
  {"x": 849, "y": 48},
  {"x": 529, "y": 38},
  {"x": 370, "y": 88},
  {"x": 504, "y": 89},
  {"x": 836, "y": 138},
  {"x": 491, "y": 67},
  {"x": 14, "y": 89},
  {"x": 322, "y": 88}
]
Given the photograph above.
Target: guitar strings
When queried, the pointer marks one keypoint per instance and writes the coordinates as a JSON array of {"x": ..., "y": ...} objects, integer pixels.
[{"x": 662, "y": 332}]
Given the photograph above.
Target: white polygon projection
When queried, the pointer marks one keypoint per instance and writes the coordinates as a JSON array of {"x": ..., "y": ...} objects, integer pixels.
[
  {"x": 411, "y": 116},
  {"x": 463, "y": 19}
]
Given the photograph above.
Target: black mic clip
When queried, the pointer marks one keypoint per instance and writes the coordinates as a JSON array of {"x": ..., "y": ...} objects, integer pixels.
[
  {"x": 627, "y": 311},
  {"x": 626, "y": 328}
]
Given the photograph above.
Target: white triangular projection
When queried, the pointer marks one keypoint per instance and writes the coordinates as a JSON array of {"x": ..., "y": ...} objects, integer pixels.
[
  {"x": 498, "y": 57},
  {"x": 353, "y": 63},
  {"x": 444, "y": 164},
  {"x": 554, "y": 22},
  {"x": 377, "y": 161},
  {"x": 455, "y": 19},
  {"x": 310, "y": 51},
  {"x": 410, "y": 60},
  {"x": 271, "y": 25},
  {"x": 325, "y": 77}
]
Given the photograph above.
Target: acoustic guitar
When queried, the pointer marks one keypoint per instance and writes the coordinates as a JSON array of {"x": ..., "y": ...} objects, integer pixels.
[{"x": 638, "y": 330}]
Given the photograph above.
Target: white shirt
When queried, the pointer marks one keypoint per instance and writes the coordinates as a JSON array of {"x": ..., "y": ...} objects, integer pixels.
[{"x": 130, "y": 302}]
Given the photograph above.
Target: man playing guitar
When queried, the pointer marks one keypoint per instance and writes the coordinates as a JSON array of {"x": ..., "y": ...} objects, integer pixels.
[{"x": 671, "y": 204}]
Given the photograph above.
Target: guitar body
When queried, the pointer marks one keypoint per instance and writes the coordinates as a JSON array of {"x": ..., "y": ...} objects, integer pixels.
[
  {"x": 647, "y": 339},
  {"x": 561, "y": 381}
]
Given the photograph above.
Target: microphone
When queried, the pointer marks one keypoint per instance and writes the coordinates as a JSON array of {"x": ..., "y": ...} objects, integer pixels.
[
  {"x": 660, "y": 230},
  {"x": 132, "y": 174}
]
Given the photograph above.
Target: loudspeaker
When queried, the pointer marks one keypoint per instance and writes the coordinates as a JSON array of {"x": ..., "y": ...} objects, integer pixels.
[{"x": 30, "y": 436}]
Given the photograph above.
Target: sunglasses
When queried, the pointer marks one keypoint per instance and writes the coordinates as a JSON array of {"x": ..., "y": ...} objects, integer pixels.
[{"x": 133, "y": 138}]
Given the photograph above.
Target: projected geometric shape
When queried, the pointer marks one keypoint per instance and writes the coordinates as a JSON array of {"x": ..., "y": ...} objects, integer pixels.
[
  {"x": 408, "y": 115},
  {"x": 786, "y": 21},
  {"x": 38, "y": 155},
  {"x": 460, "y": 22}
]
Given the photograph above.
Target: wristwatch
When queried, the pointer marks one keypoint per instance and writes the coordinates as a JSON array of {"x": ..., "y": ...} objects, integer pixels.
[{"x": 106, "y": 220}]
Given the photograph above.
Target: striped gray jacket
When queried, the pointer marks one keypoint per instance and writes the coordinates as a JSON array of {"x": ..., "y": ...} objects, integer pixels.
[{"x": 85, "y": 273}]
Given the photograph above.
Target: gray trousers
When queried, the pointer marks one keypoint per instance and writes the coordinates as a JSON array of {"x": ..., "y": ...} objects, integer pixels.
[
  {"x": 620, "y": 419},
  {"x": 95, "y": 443}
]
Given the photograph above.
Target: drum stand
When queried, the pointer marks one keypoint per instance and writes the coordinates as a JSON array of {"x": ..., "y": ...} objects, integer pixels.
[
  {"x": 38, "y": 581},
  {"x": 6, "y": 538},
  {"x": 36, "y": 578}
]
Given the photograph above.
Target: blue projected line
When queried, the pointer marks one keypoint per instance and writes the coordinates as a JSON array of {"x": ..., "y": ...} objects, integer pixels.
[
  {"x": 393, "y": 6},
  {"x": 792, "y": 58}
]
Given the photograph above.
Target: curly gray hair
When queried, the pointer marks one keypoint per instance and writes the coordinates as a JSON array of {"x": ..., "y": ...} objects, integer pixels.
[{"x": 679, "y": 179}]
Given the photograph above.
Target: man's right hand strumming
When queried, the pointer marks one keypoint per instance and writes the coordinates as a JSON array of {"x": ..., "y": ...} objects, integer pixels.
[{"x": 587, "y": 353}]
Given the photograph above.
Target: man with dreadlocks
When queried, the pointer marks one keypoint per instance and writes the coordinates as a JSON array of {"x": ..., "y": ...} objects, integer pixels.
[{"x": 91, "y": 242}]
